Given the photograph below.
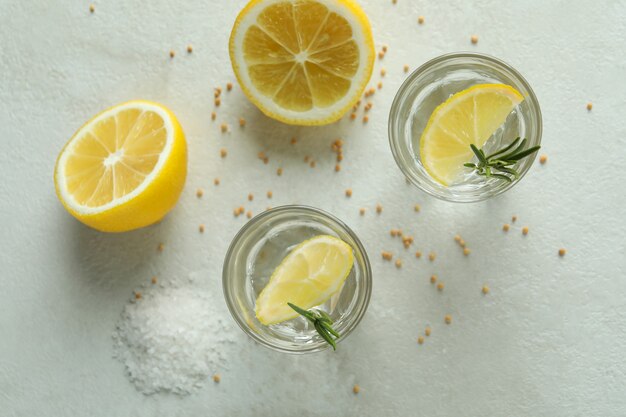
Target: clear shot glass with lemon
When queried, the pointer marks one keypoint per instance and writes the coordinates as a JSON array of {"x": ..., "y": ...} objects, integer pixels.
[
  {"x": 301, "y": 256},
  {"x": 453, "y": 102}
]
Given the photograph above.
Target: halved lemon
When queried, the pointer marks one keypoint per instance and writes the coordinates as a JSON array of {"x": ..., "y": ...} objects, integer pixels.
[
  {"x": 307, "y": 277},
  {"x": 469, "y": 116},
  {"x": 303, "y": 62},
  {"x": 124, "y": 169}
]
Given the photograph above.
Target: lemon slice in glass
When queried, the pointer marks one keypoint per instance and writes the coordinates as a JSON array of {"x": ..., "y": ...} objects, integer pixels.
[
  {"x": 468, "y": 117},
  {"x": 307, "y": 277}
]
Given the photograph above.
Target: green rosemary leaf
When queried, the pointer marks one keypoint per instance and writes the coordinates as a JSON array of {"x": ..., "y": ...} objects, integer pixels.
[
  {"x": 478, "y": 154},
  {"x": 501, "y": 161},
  {"x": 503, "y": 150},
  {"x": 321, "y": 321},
  {"x": 502, "y": 177},
  {"x": 322, "y": 332}
]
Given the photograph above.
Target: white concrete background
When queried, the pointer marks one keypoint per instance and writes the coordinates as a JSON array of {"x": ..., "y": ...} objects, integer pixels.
[{"x": 550, "y": 338}]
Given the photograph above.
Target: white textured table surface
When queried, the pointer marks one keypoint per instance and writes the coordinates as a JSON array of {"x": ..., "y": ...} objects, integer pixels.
[{"x": 550, "y": 338}]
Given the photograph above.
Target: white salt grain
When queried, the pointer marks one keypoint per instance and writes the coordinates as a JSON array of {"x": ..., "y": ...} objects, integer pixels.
[{"x": 171, "y": 339}]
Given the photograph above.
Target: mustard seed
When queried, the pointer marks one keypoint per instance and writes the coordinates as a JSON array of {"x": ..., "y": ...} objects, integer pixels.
[
  {"x": 269, "y": 194},
  {"x": 457, "y": 238},
  {"x": 405, "y": 68},
  {"x": 172, "y": 53},
  {"x": 589, "y": 106},
  {"x": 432, "y": 256},
  {"x": 440, "y": 286},
  {"x": 337, "y": 168},
  {"x": 250, "y": 197},
  {"x": 189, "y": 49},
  {"x": 381, "y": 55},
  {"x": 312, "y": 164},
  {"x": 154, "y": 280},
  {"x": 420, "y": 20},
  {"x": 349, "y": 192},
  {"x": 365, "y": 119},
  {"x": 229, "y": 86},
  {"x": 218, "y": 102},
  {"x": 466, "y": 251},
  {"x": 474, "y": 39},
  {"x": 383, "y": 72},
  {"x": 379, "y": 208},
  {"x": 506, "y": 227},
  {"x": 249, "y": 214},
  {"x": 513, "y": 219},
  {"x": 217, "y": 378},
  {"x": 92, "y": 8},
  {"x": 380, "y": 85},
  {"x": 137, "y": 295},
  {"x": 427, "y": 331},
  {"x": 485, "y": 289},
  {"x": 224, "y": 127},
  {"x": 420, "y": 340},
  {"x": 160, "y": 247},
  {"x": 387, "y": 256},
  {"x": 543, "y": 159},
  {"x": 201, "y": 228},
  {"x": 562, "y": 252},
  {"x": 279, "y": 172},
  {"x": 525, "y": 230},
  {"x": 199, "y": 192},
  {"x": 433, "y": 279},
  {"x": 223, "y": 152},
  {"x": 418, "y": 254},
  {"x": 213, "y": 115},
  {"x": 242, "y": 122},
  {"x": 216, "y": 181},
  {"x": 448, "y": 319},
  {"x": 356, "y": 389},
  {"x": 398, "y": 263},
  {"x": 417, "y": 208},
  {"x": 353, "y": 116},
  {"x": 362, "y": 211}
]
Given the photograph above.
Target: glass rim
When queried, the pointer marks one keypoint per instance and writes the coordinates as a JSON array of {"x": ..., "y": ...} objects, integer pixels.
[
  {"x": 400, "y": 98},
  {"x": 359, "y": 310}
]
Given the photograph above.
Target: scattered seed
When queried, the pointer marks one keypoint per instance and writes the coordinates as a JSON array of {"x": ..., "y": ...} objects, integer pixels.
[
  {"x": 217, "y": 378},
  {"x": 337, "y": 168},
  {"x": 154, "y": 280},
  {"x": 589, "y": 106},
  {"x": 417, "y": 207},
  {"x": 418, "y": 254},
  {"x": 448, "y": 319},
  {"x": 407, "y": 241},
  {"x": 229, "y": 86},
  {"x": 433, "y": 279},
  {"x": 201, "y": 228},
  {"x": 362, "y": 211},
  {"x": 368, "y": 106},
  {"x": 306, "y": 158},
  {"x": 427, "y": 331},
  {"x": 398, "y": 263},
  {"x": 199, "y": 192},
  {"x": 420, "y": 20},
  {"x": 379, "y": 208},
  {"x": 294, "y": 141},
  {"x": 485, "y": 289},
  {"x": 172, "y": 53},
  {"x": 365, "y": 119},
  {"x": 466, "y": 251},
  {"x": 383, "y": 72},
  {"x": 513, "y": 219},
  {"x": 349, "y": 192},
  {"x": 420, "y": 340},
  {"x": 405, "y": 68},
  {"x": 380, "y": 85},
  {"x": 160, "y": 247},
  {"x": 189, "y": 49},
  {"x": 462, "y": 243},
  {"x": 216, "y": 181},
  {"x": 474, "y": 39},
  {"x": 92, "y": 8},
  {"x": 381, "y": 55},
  {"x": 137, "y": 295},
  {"x": 353, "y": 116},
  {"x": 432, "y": 256},
  {"x": 395, "y": 232},
  {"x": 223, "y": 152},
  {"x": 387, "y": 256},
  {"x": 525, "y": 230},
  {"x": 356, "y": 389},
  {"x": 440, "y": 286},
  {"x": 384, "y": 48},
  {"x": 543, "y": 159},
  {"x": 279, "y": 172},
  {"x": 506, "y": 227},
  {"x": 213, "y": 115},
  {"x": 224, "y": 127},
  {"x": 242, "y": 122},
  {"x": 312, "y": 164},
  {"x": 249, "y": 214},
  {"x": 457, "y": 238},
  {"x": 269, "y": 194},
  {"x": 218, "y": 102},
  {"x": 562, "y": 252},
  {"x": 250, "y": 197}
]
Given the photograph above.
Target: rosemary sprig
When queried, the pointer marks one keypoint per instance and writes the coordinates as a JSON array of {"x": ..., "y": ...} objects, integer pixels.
[
  {"x": 322, "y": 323},
  {"x": 500, "y": 164}
]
